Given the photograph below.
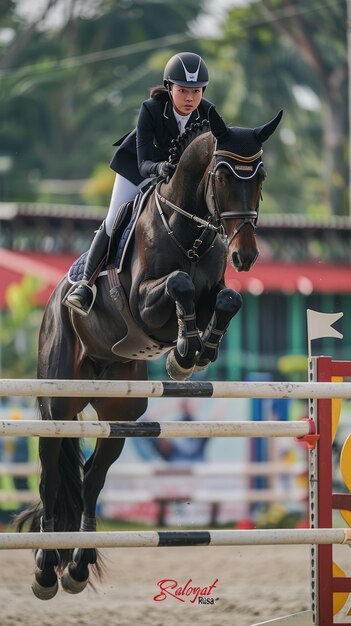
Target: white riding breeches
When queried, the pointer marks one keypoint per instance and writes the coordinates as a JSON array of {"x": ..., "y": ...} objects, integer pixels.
[{"x": 123, "y": 191}]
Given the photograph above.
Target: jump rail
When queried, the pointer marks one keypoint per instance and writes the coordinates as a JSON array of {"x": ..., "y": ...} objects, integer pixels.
[
  {"x": 323, "y": 420},
  {"x": 162, "y": 430},
  {"x": 170, "y": 389},
  {"x": 142, "y": 495},
  {"x": 162, "y": 469},
  {"x": 154, "y": 539}
]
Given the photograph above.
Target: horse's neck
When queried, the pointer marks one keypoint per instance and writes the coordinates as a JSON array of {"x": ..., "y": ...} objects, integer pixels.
[{"x": 188, "y": 185}]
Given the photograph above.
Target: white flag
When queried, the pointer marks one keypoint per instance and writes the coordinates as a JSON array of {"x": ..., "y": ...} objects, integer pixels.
[{"x": 320, "y": 325}]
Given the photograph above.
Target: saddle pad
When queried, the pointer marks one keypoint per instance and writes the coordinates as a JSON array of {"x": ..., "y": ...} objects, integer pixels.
[
  {"x": 123, "y": 240},
  {"x": 76, "y": 270}
]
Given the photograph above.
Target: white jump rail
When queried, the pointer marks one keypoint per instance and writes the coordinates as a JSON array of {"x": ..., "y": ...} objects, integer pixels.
[
  {"x": 162, "y": 430},
  {"x": 164, "y": 470},
  {"x": 150, "y": 538},
  {"x": 124, "y": 496},
  {"x": 170, "y": 389}
]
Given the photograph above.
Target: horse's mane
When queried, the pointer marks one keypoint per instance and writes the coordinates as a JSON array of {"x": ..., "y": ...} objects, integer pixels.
[{"x": 179, "y": 144}]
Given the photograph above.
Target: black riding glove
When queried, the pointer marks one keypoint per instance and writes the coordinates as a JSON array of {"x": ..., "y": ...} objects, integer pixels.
[
  {"x": 150, "y": 169},
  {"x": 165, "y": 169}
]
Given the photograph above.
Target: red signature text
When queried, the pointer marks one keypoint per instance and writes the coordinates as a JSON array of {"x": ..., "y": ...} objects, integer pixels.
[{"x": 170, "y": 588}]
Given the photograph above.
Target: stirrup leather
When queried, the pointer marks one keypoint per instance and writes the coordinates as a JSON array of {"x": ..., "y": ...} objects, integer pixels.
[{"x": 71, "y": 306}]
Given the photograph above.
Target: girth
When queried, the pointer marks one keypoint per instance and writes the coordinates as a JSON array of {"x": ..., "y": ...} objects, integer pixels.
[{"x": 135, "y": 345}]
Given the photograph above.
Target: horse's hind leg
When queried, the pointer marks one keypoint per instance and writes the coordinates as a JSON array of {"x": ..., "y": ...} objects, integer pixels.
[
  {"x": 76, "y": 576},
  {"x": 181, "y": 361},
  {"x": 60, "y": 476},
  {"x": 45, "y": 584},
  {"x": 228, "y": 303},
  {"x": 60, "y": 480}
]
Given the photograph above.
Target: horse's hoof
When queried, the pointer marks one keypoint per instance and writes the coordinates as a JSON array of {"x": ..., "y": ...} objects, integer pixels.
[
  {"x": 70, "y": 585},
  {"x": 176, "y": 371},
  {"x": 44, "y": 593},
  {"x": 201, "y": 367}
]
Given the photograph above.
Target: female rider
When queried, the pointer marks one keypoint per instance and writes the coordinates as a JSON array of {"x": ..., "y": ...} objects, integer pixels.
[{"x": 143, "y": 153}]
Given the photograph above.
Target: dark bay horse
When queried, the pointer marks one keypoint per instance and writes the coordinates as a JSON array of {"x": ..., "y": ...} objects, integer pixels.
[{"x": 170, "y": 297}]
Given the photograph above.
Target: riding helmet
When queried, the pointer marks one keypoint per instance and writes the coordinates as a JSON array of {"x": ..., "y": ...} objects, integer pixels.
[{"x": 186, "y": 69}]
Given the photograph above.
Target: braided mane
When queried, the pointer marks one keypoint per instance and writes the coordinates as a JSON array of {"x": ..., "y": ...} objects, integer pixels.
[{"x": 179, "y": 144}]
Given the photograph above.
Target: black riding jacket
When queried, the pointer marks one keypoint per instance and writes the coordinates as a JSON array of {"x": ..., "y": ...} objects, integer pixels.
[{"x": 140, "y": 151}]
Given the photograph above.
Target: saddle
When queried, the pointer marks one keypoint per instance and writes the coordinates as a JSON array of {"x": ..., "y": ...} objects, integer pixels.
[
  {"x": 135, "y": 345},
  {"x": 121, "y": 236}
]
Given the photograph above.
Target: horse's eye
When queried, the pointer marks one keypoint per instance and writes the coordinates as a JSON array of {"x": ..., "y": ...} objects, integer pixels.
[{"x": 221, "y": 176}]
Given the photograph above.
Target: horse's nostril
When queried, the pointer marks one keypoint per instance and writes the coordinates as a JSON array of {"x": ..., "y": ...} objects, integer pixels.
[
  {"x": 243, "y": 262},
  {"x": 236, "y": 260}
]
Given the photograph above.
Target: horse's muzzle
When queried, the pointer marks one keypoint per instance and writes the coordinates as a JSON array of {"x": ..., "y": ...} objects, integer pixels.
[{"x": 243, "y": 262}]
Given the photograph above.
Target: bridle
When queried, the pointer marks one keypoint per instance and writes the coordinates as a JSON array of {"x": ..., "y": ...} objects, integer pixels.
[
  {"x": 247, "y": 217},
  {"x": 242, "y": 163}
]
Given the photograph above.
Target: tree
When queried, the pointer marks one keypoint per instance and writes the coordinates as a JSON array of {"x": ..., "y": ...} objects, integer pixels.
[
  {"x": 275, "y": 48},
  {"x": 76, "y": 87}
]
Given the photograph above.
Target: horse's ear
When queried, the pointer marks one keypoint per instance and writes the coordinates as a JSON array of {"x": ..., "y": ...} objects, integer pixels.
[
  {"x": 264, "y": 132},
  {"x": 218, "y": 128}
]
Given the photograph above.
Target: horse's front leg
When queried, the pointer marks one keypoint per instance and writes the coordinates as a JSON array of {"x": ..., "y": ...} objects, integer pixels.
[
  {"x": 181, "y": 361},
  {"x": 228, "y": 303},
  {"x": 162, "y": 300}
]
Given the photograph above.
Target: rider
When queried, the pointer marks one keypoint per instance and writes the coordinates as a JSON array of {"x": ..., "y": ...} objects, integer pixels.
[{"x": 142, "y": 154}]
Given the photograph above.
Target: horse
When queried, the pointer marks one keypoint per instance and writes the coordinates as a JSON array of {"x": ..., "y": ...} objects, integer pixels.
[{"x": 168, "y": 296}]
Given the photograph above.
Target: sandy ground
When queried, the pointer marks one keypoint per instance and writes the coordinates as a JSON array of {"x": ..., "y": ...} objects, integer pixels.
[{"x": 254, "y": 584}]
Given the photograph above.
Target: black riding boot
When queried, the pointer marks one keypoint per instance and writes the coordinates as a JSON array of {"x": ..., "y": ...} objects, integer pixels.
[{"x": 80, "y": 299}]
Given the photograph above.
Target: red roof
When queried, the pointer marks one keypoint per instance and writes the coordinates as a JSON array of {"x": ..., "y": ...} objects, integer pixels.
[
  {"x": 291, "y": 278},
  {"x": 49, "y": 267},
  {"x": 264, "y": 276}
]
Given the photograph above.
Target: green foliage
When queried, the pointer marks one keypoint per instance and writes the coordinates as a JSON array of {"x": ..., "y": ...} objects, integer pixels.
[
  {"x": 19, "y": 328},
  {"x": 282, "y": 46},
  {"x": 97, "y": 190},
  {"x": 69, "y": 92}
]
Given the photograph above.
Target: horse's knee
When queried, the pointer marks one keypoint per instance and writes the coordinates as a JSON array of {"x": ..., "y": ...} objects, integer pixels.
[{"x": 180, "y": 287}]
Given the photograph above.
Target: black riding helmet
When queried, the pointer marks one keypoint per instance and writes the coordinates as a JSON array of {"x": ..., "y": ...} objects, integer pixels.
[{"x": 186, "y": 69}]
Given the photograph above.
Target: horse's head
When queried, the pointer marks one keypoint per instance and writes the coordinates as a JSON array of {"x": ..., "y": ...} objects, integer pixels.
[{"x": 235, "y": 182}]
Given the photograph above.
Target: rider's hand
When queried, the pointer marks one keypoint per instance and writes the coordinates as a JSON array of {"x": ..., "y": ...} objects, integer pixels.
[{"x": 165, "y": 169}]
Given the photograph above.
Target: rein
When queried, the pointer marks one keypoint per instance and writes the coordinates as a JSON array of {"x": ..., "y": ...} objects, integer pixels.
[
  {"x": 191, "y": 253},
  {"x": 191, "y": 216}
]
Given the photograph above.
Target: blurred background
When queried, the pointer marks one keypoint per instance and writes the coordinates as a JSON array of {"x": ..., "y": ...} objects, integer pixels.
[{"x": 73, "y": 74}]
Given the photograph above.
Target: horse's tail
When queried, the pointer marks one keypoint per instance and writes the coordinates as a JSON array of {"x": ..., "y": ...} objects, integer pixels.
[{"x": 68, "y": 506}]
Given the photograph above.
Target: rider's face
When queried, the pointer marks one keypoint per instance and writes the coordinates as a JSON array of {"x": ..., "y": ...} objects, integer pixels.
[{"x": 186, "y": 99}]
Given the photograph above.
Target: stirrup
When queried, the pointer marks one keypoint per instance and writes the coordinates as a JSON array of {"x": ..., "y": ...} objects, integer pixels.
[{"x": 74, "y": 308}]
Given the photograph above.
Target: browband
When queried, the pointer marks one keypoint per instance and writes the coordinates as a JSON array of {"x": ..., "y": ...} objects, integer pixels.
[{"x": 237, "y": 157}]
